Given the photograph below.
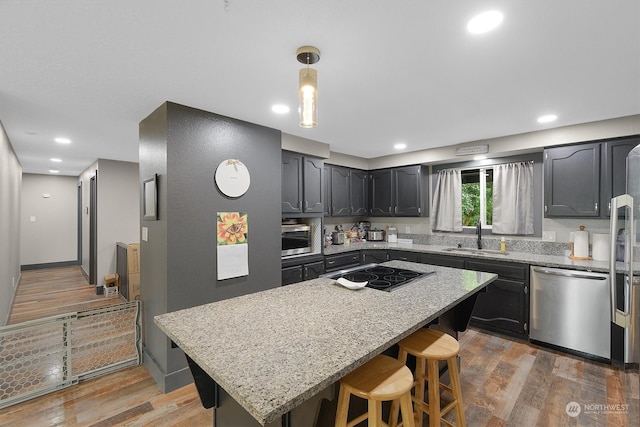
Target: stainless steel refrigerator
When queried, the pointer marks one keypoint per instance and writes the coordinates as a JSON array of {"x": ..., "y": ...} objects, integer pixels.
[{"x": 625, "y": 246}]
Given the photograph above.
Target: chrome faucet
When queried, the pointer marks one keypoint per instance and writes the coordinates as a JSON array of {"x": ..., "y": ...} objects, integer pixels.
[{"x": 479, "y": 233}]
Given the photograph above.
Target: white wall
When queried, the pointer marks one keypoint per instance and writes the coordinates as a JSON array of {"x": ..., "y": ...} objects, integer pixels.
[
  {"x": 10, "y": 187},
  {"x": 49, "y": 225},
  {"x": 118, "y": 211}
]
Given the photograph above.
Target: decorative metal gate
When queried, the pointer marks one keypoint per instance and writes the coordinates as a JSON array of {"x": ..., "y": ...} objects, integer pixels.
[{"x": 45, "y": 355}]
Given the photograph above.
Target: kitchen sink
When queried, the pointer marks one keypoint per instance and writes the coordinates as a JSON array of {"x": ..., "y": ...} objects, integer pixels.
[{"x": 475, "y": 251}]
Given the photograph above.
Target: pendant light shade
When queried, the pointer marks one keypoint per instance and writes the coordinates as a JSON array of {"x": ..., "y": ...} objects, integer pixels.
[{"x": 308, "y": 87}]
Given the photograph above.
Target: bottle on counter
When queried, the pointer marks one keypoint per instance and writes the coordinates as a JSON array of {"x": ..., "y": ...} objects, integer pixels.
[{"x": 503, "y": 245}]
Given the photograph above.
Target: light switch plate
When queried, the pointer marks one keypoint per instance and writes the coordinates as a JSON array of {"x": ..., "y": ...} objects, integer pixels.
[
  {"x": 32, "y": 218},
  {"x": 549, "y": 236}
]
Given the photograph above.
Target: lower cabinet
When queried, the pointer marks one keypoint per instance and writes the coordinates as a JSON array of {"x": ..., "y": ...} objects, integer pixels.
[
  {"x": 404, "y": 256},
  {"x": 442, "y": 260},
  {"x": 376, "y": 256},
  {"x": 341, "y": 261},
  {"x": 504, "y": 307},
  {"x": 294, "y": 271}
]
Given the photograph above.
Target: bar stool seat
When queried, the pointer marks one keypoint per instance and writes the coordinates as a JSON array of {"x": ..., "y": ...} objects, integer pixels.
[
  {"x": 383, "y": 378},
  {"x": 430, "y": 346}
]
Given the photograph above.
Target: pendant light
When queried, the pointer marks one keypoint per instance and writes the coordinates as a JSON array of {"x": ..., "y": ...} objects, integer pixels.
[{"x": 308, "y": 86}]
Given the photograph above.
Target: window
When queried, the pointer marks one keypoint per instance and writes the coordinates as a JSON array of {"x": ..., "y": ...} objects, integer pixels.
[{"x": 477, "y": 197}]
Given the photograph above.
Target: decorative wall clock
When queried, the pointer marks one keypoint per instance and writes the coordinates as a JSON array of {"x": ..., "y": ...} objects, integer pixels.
[{"x": 232, "y": 178}]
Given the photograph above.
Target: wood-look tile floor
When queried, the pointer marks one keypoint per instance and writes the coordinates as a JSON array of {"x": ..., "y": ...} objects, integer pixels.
[
  {"x": 52, "y": 291},
  {"x": 504, "y": 382}
]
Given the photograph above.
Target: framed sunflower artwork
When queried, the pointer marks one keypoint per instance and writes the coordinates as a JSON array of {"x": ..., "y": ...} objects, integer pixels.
[{"x": 232, "y": 234}]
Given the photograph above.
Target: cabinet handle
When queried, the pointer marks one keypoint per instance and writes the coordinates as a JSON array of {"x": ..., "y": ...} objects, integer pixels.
[
  {"x": 331, "y": 262},
  {"x": 596, "y": 207},
  {"x": 389, "y": 209},
  {"x": 299, "y": 205},
  {"x": 306, "y": 205},
  {"x": 609, "y": 208},
  {"x": 395, "y": 209}
]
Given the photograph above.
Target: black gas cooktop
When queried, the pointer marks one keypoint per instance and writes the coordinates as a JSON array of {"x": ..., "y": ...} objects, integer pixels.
[{"x": 378, "y": 276}]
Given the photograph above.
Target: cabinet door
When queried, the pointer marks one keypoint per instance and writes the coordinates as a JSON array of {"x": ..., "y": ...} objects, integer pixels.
[
  {"x": 292, "y": 275},
  {"x": 313, "y": 270},
  {"x": 503, "y": 308},
  {"x": 344, "y": 260},
  {"x": 374, "y": 256},
  {"x": 380, "y": 192},
  {"x": 327, "y": 190},
  {"x": 442, "y": 260},
  {"x": 407, "y": 187},
  {"x": 313, "y": 185},
  {"x": 404, "y": 256},
  {"x": 572, "y": 181},
  {"x": 358, "y": 192},
  {"x": 614, "y": 170},
  {"x": 339, "y": 191},
  {"x": 291, "y": 182}
]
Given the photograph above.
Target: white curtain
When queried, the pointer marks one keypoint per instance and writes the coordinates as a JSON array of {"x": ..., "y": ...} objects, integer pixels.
[
  {"x": 513, "y": 198},
  {"x": 446, "y": 208}
]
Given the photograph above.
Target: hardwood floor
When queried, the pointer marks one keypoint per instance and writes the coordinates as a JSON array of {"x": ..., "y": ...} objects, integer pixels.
[
  {"x": 51, "y": 291},
  {"x": 504, "y": 382}
]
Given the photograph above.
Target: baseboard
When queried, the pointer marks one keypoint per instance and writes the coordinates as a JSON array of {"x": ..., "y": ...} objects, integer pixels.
[
  {"x": 5, "y": 321},
  {"x": 167, "y": 382},
  {"x": 49, "y": 265}
]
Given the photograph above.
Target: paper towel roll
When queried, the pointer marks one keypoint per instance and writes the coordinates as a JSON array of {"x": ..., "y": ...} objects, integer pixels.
[
  {"x": 601, "y": 246},
  {"x": 581, "y": 244}
]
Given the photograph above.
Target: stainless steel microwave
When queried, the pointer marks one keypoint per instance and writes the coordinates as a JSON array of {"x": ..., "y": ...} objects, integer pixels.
[{"x": 296, "y": 239}]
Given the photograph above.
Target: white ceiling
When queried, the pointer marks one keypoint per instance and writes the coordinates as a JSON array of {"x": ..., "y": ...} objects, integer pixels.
[{"x": 390, "y": 71}]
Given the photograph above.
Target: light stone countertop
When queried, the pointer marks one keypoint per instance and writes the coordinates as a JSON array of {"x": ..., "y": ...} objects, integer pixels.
[
  {"x": 273, "y": 350},
  {"x": 531, "y": 258}
]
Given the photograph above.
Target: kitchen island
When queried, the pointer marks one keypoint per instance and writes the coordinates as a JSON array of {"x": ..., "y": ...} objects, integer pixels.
[{"x": 272, "y": 351}]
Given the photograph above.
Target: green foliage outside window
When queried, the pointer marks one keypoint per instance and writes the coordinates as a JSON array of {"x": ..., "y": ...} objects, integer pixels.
[{"x": 471, "y": 203}]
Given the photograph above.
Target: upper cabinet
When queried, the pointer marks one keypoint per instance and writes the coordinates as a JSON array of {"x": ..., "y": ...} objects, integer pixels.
[
  {"x": 302, "y": 184},
  {"x": 572, "y": 181},
  {"x": 614, "y": 163},
  {"x": 398, "y": 191},
  {"x": 579, "y": 180},
  {"x": 346, "y": 191}
]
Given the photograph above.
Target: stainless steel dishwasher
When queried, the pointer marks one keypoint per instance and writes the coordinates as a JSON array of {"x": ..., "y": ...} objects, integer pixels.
[{"x": 570, "y": 309}]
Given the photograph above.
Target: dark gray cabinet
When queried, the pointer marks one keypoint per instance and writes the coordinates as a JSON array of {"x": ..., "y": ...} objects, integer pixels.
[
  {"x": 340, "y": 261},
  {"x": 297, "y": 270},
  {"x": 504, "y": 307},
  {"x": 581, "y": 179},
  {"x": 339, "y": 178},
  {"x": 358, "y": 192},
  {"x": 614, "y": 159},
  {"x": 346, "y": 191},
  {"x": 572, "y": 181},
  {"x": 302, "y": 183},
  {"x": 442, "y": 260},
  {"x": 404, "y": 255},
  {"x": 376, "y": 256},
  {"x": 398, "y": 192}
]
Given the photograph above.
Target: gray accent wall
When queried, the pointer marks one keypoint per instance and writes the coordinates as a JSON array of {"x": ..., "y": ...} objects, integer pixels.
[
  {"x": 10, "y": 189},
  {"x": 183, "y": 146}
]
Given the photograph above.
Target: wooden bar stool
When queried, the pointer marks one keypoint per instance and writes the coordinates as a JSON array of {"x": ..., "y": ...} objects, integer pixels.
[
  {"x": 429, "y": 346},
  {"x": 382, "y": 378}
]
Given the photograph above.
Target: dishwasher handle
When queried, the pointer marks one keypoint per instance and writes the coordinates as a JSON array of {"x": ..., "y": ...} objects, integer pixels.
[{"x": 567, "y": 273}]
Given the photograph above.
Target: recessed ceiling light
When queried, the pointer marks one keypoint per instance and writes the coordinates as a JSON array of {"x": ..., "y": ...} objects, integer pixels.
[
  {"x": 481, "y": 157},
  {"x": 63, "y": 140},
  {"x": 547, "y": 118},
  {"x": 55, "y": 160},
  {"x": 280, "y": 109},
  {"x": 400, "y": 146},
  {"x": 54, "y": 171},
  {"x": 484, "y": 22}
]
